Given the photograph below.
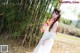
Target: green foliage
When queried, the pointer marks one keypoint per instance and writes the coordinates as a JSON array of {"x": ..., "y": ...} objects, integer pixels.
[
  {"x": 48, "y": 16},
  {"x": 24, "y": 16},
  {"x": 68, "y": 29},
  {"x": 66, "y": 21},
  {"x": 78, "y": 23},
  {"x": 79, "y": 16},
  {"x": 16, "y": 34},
  {"x": 56, "y": 3}
]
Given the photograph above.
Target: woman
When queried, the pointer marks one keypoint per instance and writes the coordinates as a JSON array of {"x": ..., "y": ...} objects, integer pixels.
[{"x": 46, "y": 42}]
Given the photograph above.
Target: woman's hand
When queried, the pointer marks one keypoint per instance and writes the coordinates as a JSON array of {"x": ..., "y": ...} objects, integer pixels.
[{"x": 45, "y": 41}]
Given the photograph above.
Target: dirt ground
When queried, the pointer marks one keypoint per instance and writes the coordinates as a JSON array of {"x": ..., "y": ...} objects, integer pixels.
[
  {"x": 65, "y": 46},
  {"x": 60, "y": 46}
]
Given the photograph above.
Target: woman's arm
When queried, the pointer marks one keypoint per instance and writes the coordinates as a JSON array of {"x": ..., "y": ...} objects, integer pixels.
[{"x": 45, "y": 41}]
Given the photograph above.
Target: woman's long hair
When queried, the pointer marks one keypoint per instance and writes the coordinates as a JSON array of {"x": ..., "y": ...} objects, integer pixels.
[{"x": 58, "y": 18}]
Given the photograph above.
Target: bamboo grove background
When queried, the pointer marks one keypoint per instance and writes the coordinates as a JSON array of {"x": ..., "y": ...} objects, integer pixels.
[{"x": 24, "y": 18}]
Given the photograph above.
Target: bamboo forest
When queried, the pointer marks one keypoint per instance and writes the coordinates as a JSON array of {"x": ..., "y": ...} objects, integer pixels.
[{"x": 21, "y": 22}]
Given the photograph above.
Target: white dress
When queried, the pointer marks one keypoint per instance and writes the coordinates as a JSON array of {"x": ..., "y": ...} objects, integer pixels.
[{"x": 46, "y": 48}]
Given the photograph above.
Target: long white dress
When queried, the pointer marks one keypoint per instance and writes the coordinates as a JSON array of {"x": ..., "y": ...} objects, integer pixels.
[{"x": 46, "y": 48}]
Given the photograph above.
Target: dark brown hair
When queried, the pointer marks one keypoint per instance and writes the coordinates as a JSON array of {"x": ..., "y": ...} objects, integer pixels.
[{"x": 57, "y": 11}]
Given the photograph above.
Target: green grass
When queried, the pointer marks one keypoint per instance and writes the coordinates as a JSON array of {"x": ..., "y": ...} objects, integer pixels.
[{"x": 68, "y": 37}]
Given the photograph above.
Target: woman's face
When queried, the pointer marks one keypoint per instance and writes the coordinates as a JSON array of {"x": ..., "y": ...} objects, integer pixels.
[{"x": 55, "y": 15}]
